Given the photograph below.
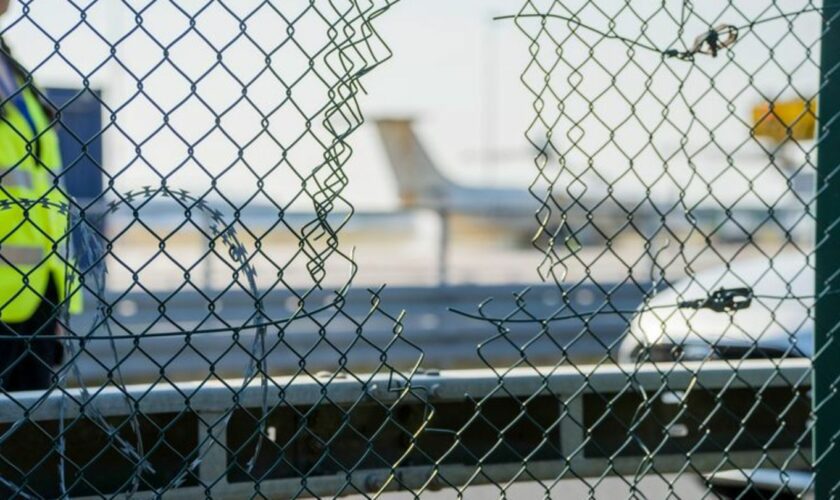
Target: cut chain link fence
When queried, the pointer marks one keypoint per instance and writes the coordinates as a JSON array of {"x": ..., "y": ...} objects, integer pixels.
[{"x": 680, "y": 343}]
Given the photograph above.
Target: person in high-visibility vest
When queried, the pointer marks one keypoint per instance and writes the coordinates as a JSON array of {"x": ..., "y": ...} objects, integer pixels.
[{"x": 35, "y": 276}]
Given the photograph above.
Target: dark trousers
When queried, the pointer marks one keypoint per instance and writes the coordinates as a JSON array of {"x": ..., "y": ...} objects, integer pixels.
[{"x": 29, "y": 351}]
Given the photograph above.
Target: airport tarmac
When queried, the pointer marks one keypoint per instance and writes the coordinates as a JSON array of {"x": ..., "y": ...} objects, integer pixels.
[
  {"x": 199, "y": 292},
  {"x": 404, "y": 249}
]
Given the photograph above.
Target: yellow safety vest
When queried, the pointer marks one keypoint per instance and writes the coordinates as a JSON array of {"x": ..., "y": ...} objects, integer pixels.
[{"x": 33, "y": 240}]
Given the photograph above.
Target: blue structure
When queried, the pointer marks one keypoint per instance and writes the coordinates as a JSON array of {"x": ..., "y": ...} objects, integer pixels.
[{"x": 80, "y": 140}]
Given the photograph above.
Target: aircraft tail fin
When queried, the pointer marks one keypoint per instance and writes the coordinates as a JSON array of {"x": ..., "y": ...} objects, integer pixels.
[{"x": 418, "y": 179}]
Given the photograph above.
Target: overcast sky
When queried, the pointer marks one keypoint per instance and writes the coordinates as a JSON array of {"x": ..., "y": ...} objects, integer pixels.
[{"x": 453, "y": 68}]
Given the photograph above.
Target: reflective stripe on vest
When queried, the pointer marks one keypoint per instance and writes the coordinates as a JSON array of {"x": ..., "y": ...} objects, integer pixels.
[
  {"x": 17, "y": 178},
  {"x": 20, "y": 256}
]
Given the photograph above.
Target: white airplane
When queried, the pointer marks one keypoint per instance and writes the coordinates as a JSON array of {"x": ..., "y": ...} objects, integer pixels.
[
  {"x": 421, "y": 184},
  {"x": 590, "y": 214}
]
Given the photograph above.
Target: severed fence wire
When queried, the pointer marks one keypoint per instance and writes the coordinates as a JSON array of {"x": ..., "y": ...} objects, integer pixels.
[
  {"x": 692, "y": 203},
  {"x": 676, "y": 162}
]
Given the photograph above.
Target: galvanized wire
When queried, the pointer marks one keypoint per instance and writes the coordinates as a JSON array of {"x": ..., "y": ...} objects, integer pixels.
[
  {"x": 617, "y": 207},
  {"x": 352, "y": 49},
  {"x": 566, "y": 76}
]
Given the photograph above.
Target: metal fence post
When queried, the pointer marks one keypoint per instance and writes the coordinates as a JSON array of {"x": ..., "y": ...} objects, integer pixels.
[{"x": 827, "y": 348}]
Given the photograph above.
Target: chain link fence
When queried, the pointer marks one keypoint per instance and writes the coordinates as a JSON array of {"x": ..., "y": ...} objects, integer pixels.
[{"x": 678, "y": 341}]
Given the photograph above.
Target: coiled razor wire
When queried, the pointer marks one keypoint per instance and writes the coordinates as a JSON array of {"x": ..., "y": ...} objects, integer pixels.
[
  {"x": 354, "y": 49},
  {"x": 349, "y": 55},
  {"x": 90, "y": 248}
]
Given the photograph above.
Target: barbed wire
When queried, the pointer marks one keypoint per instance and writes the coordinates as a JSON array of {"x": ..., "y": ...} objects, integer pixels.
[
  {"x": 582, "y": 315},
  {"x": 90, "y": 248},
  {"x": 722, "y": 36},
  {"x": 349, "y": 54}
]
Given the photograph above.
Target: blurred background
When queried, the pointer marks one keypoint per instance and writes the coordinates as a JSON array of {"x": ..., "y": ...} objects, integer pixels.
[{"x": 645, "y": 161}]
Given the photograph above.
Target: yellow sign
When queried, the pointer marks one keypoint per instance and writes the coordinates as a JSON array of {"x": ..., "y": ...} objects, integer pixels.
[{"x": 782, "y": 120}]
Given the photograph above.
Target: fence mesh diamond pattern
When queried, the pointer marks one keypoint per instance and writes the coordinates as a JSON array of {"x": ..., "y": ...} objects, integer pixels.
[{"x": 684, "y": 297}]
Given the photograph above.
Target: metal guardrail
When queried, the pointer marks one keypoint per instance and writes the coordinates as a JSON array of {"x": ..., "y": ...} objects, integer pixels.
[
  {"x": 356, "y": 433},
  {"x": 232, "y": 124}
]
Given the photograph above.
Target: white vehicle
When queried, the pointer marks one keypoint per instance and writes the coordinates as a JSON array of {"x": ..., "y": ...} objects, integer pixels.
[{"x": 777, "y": 322}]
